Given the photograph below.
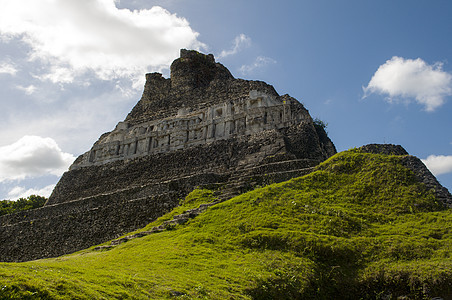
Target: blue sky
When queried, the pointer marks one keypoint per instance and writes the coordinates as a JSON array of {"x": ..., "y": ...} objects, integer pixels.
[{"x": 375, "y": 71}]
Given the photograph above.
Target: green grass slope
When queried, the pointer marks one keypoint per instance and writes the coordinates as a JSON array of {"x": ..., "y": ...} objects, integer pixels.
[{"x": 359, "y": 227}]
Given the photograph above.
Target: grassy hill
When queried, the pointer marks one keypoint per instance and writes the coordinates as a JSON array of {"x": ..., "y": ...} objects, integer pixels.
[{"x": 360, "y": 226}]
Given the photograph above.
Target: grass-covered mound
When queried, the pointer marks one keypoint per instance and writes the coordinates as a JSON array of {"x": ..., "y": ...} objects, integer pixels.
[{"x": 360, "y": 226}]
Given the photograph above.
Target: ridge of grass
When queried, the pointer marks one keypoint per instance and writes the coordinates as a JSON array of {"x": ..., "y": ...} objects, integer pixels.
[{"x": 360, "y": 227}]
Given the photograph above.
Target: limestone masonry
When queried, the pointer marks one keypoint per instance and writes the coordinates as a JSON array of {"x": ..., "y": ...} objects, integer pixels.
[{"x": 200, "y": 127}]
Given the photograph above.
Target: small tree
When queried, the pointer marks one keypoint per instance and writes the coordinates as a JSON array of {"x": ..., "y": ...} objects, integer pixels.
[
  {"x": 319, "y": 123},
  {"x": 31, "y": 202}
]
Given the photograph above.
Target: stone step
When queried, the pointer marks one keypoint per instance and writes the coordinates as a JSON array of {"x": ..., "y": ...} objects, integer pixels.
[
  {"x": 265, "y": 179},
  {"x": 279, "y": 166}
]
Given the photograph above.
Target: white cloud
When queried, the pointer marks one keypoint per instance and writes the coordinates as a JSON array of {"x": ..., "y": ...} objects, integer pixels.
[
  {"x": 28, "y": 90},
  {"x": 22, "y": 192},
  {"x": 261, "y": 61},
  {"x": 241, "y": 41},
  {"x": 7, "y": 68},
  {"x": 58, "y": 74},
  {"x": 73, "y": 37},
  {"x": 76, "y": 122},
  {"x": 32, "y": 156},
  {"x": 439, "y": 164},
  {"x": 412, "y": 78}
]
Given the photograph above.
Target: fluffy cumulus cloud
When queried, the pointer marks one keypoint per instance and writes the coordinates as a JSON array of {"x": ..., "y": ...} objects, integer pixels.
[
  {"x": 412, "y": 79},
  {"x": 439, "y": 164},
  {"x": 32, "y": 156},
  {"x": 240, "y": 42},
  {"x": 73, "y": 37},
  {"x": 22, "y": 192},
  {"x": 260, "y": 62}
]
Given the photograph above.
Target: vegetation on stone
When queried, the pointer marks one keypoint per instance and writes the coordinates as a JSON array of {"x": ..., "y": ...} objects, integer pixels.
[
  {"x": 319, "y": 123},
  {"x": 361, "y": 226},
  {"x": 31, "y": 202}
]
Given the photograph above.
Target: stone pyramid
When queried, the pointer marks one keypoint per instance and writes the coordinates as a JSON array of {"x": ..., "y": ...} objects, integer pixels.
[{"x": 200, "y": 127}]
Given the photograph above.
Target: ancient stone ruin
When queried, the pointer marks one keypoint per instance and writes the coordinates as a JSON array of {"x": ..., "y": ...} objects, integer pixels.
[{"x": 200, "y": 127}]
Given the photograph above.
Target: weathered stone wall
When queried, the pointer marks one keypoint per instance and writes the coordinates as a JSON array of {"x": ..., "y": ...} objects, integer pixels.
[{"x": 59, "y": 229}]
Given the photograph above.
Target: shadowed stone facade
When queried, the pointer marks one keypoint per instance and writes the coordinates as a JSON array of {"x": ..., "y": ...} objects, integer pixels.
[{"x": 200, "y": 127}]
